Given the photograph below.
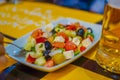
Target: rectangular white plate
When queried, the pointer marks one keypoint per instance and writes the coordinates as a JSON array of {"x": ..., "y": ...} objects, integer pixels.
[{"x": 12, "y": 50}]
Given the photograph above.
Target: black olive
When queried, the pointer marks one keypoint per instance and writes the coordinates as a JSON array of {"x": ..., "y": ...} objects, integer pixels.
[
  {"x": 46, "y": 54},
  {"x": 53, "y": 31},
  {"x": 48, "y": 57},
  {"x": 80, "y": 32},
  {"x": 48, "y": 45},
  {"x": 89, "y": 30}
]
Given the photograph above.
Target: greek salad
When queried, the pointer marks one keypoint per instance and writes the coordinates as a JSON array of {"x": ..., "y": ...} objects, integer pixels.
[{"x": 57, "y": 44}]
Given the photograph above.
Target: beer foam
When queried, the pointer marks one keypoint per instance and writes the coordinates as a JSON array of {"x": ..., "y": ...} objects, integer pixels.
[{"x": 114, "y": 3}]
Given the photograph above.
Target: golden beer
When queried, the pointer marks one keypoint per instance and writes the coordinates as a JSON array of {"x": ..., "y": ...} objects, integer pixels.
[{"x": 108, "y": 53}]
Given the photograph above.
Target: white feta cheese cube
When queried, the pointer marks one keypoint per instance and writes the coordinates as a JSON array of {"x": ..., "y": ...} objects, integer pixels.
[
  {"x": 68, "y": 54},
  {"x": 76, "y": 41},
  {"x": 40, "y": 47},
  {"x": 45, "y": 34},
  {"x": 59, "y": 39},
  {"x": 49, "y": 27},
  {"x": 53, "y": 52},
  {"x": 86, "y": 42}
]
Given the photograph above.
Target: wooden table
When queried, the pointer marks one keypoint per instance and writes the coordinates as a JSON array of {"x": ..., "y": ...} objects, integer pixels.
[{"x": 18, "y": 19}]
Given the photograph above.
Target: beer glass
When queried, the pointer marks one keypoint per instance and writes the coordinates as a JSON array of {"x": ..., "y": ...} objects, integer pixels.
[{"x": 108, "y": 52}]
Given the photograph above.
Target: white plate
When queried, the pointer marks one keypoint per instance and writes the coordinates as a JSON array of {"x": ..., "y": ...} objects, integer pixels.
[{"x": 12, "y": 50}]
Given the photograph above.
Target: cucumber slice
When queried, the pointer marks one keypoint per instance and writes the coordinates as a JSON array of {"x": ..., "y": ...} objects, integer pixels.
[{"x": 40, "y": 61}]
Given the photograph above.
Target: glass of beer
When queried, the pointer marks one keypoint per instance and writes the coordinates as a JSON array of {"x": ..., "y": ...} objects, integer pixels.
[{"x": 108, "y": 52}]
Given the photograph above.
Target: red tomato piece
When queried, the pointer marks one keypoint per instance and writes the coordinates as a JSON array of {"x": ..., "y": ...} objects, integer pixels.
[
  {"x": 63, "y": 35},
  {"x": 49, "y": 63},
  {"x": 59, "y": 44},
  {"x": 82, "y": 48},
  {"x": 30, "y": 59},
  {"x": 71, "y": 27},
  {"x": 69, "y": 45},
  {"x": 41, "y": 39},
  {"x": 37, "y": 33}
]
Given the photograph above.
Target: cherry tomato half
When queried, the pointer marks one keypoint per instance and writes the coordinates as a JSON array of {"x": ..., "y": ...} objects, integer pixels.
[
  {"x": 71, "y": 27},
  {"x": 40, "y": 39},
  {"x": 49, "y": 63},
  {"x": 59, "y": 44},
  {"x": 37, "y": 33},
  {"x": 30, "y": 59},
  {"x": 69, "y": 45},
  {"x": 82, "y": 48}
]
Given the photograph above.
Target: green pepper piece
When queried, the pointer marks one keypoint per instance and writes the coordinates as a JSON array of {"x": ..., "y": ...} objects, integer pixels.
[{"x": 76, "y": 53}]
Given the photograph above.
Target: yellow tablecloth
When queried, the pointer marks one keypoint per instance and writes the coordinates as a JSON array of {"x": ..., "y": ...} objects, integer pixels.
[{"x": 19, "y": 19}]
